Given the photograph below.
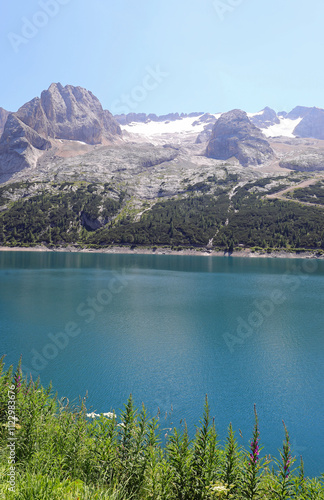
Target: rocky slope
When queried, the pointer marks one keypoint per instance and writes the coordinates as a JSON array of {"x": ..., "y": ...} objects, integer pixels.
[
  {"x": 312, "y": 124},
  {"x": 310, "y": 161},
  {"x": 235, "y": 135},
  {"x": 20, "y": 147},
  {"x": 265, "y": 118},
  {"x": 297, "y": 112}
]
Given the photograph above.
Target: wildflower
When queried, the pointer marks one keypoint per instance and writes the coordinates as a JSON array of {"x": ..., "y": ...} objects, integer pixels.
[
  {"x": 255, "y": 449},
  {"x": 18, "y": 380},
  {"x": 97, "y": 415},
  {"x": 219, "y": 488},
  {"x": 286, "y": 455}
]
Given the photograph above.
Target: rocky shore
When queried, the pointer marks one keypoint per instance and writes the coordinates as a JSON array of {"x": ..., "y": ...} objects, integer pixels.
[{"x": 245, "y": 252}]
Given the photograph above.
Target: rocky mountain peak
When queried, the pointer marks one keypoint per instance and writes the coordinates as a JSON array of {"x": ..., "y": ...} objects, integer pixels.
[
  {"x": 298, "y": 112},
  {"x": 266, "y": 118},
  {"x": 312, "y": 124},
  {"x": 71, "y": 113},
  {"x": 235, "y": 135}
]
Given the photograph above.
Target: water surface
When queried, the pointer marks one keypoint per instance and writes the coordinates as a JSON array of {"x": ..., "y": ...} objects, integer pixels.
[{"x": 170, "y": 329}]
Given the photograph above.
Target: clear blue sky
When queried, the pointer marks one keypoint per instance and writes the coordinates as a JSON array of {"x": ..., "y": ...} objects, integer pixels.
[{"x": 256, "y": 53}]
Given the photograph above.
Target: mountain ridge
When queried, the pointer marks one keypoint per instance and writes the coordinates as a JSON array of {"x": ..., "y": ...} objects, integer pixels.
[{"x": 69, "y": 122}]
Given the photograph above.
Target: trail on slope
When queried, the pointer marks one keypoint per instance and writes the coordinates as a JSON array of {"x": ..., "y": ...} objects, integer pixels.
[{"x": 280, "y": 195}]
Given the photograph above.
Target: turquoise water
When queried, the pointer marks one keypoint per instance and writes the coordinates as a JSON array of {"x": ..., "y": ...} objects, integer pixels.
[{"x": 170, "y": 329}]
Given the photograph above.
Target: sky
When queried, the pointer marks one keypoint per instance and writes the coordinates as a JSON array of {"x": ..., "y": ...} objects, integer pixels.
[{"x": 162, "y": 56}]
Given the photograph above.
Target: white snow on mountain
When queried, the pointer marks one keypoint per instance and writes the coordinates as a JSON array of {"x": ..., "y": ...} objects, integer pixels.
[
  {"x": 181, "y": 126},
  {"x": 285, "y": 128},
  {"x": 192, "y": 126},
  {"x": 251, "y": 115}
]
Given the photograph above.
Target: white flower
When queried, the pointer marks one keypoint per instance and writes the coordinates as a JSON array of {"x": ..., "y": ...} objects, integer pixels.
[
  {"x": 220, "y": 488},
  {"x": 96, "y": 415}
]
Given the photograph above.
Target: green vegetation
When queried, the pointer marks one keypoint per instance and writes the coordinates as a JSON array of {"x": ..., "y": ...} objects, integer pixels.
[
  {"x": 274, "y": 225},
  {"x": 255, "y": 222},
  {"x": 189, "y": 221},
  {"x": 99, "y": 215},
  {"x": 310, "y": 194},
  {"x": 56, "y": 217},
  {"x": 59, "y": 453}
]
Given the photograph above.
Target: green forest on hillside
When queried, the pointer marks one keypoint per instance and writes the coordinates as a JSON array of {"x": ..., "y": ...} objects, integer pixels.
[
  {"x": 98, "y": 215},
  {"x": 311, "y": 194}
]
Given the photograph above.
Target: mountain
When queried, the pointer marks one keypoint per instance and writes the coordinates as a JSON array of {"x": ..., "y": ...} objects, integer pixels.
[
  {"x": 298, "y": 112},
  {"x": 20, "y": 147},
  {"x": 312, "y": 124},
  {"x": 66, "y": 122},
  {"x": 3, "y": 118},
  {"x": 72, "y": 174},
  {"x": 235, "y": 135},
  {"x": 272, "y": 124},
  {"x": 266, "y": 118},
  {"x": 61, "y": 113},
  {"x": 70, "y": 113}
]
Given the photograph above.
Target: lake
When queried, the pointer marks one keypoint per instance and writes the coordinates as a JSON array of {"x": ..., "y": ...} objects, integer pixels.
[{"x": 170, "y": 329}]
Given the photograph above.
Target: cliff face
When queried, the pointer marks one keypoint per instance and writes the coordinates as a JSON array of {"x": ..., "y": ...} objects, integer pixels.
[
  {"x": 71, "y": 113},
  {"x": 20, "y": 147},
  {"x": 312, "y": 124},
  {"x": 297, "y": 112},
  {"x": 235, "y": 135}
]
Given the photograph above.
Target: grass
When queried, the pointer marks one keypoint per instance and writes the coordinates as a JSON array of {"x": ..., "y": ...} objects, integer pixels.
[{"x": 60, "y": 453}]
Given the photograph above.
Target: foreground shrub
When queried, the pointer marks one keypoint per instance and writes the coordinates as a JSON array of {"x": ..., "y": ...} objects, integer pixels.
[{"x": 57, "y": 452}]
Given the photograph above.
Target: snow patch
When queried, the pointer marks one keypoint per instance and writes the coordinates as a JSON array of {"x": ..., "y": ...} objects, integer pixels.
[
  {"x": 285, "y": 128},
  {"x": 182, "y": 126},
  {"x": 251, "y": 115}
]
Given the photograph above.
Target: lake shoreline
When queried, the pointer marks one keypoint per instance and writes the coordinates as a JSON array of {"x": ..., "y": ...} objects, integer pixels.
[{"x": 200, "y": 252}]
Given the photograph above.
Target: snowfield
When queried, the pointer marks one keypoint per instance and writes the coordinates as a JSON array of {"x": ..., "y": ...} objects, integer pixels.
[
  {"x": 181, "y": 126},
  {"x": 285, "y": 128},
  {"x": 194, "y": 126}
]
